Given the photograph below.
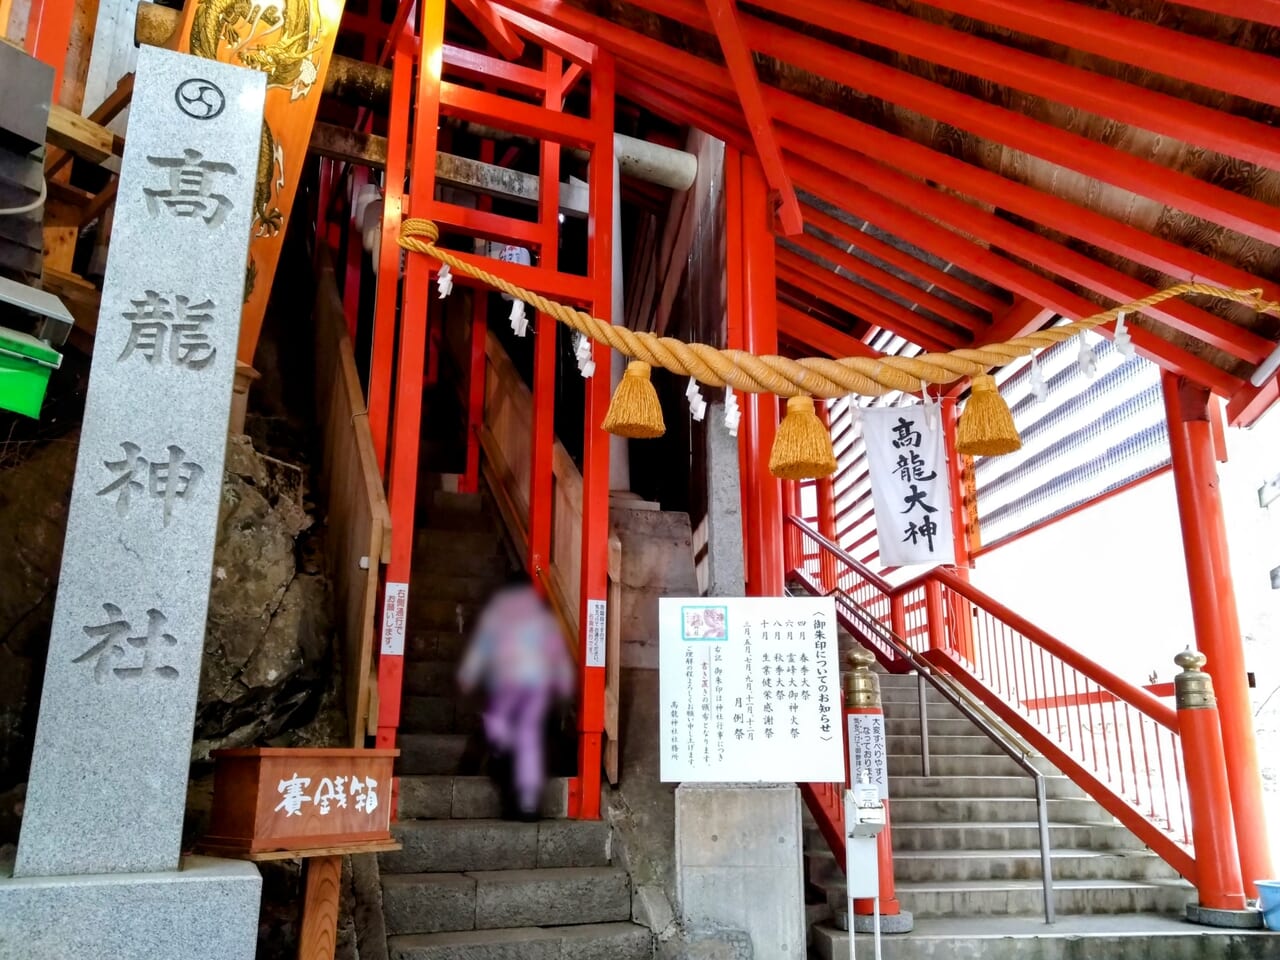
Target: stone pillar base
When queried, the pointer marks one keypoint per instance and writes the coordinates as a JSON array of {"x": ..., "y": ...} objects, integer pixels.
[
  {"x": 1231, "y": 919},
  {"x": 206, "y": 910}
]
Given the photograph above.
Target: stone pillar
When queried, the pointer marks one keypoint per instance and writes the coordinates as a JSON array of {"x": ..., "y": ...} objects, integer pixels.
[
  {"x": 726, "y": 575},
  {"x": 98, "y": 870}
]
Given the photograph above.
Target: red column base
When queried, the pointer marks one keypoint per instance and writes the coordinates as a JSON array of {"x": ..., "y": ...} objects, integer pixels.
[
  {"x": 888, "y": 908},
  {"x": 584, "y": 789}
]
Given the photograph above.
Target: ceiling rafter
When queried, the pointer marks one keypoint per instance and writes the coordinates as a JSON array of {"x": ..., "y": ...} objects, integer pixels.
[
  {"x": 1205, "y": 63},
  {"x": 813, "y": 333},
  {"x": 1073, "y": 86},
  {"x": 486, "y": 18},
  {"x": 1263, "y": 11},
  {"x": 1036, "y": 138},
  {"x": 871, "y": 274},
  {"x": 724, "y": 20}
]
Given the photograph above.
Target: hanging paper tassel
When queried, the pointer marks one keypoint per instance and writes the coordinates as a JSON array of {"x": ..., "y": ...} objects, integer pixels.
[
  {"x": 697, "y": 405},
  {"x": 444, "y": 281},
  {"x": 1039, "y": 389},
  {"x": 1087, "y": 359},
  {"x": 1123, "y": 340},
  {"x": 802, "y": 449},
  {"x": 986, "y": 426},
  {"x": 583, "y": 353},
  {"x": 932, "y": 416},
  {"x": 519, "y": 322},
  {"x": 732, "y": 413},
  {"x": 635, "y": 410}
]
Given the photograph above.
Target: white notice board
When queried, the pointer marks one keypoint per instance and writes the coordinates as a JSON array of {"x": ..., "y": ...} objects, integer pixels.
[{"x": 750, "y": 690}]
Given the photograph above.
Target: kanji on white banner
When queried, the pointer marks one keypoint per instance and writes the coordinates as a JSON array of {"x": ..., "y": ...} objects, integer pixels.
[{"x": 906, "y": 456}]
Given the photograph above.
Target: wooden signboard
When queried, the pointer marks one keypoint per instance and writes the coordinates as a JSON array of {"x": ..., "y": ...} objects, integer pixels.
[
  {"x": 291, "y": 42},
  {"x": 275, "y": 798}
]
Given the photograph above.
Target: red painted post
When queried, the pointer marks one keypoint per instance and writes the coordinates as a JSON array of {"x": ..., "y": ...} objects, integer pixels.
[
  {"x": 402, "y": 477},
  {"x": 935, "y": 610},
  {"x": 541, "y": 481},
  {"x": 585, "y": 794},
  {"x": 470, "y": 482},
  {"x": 760, "y": 410},
  {"x": 49, "y": 35},
  {"x": 1217, "y": 857},
  {"x": 827, "y": 513},
  {"x": 959, "y": 610},
  {"x": 736, "y": 339},
  {"x": 1213, "y": 608},
  {"x": 792, "y": 543},
  {"x": 862, "y": 696}
]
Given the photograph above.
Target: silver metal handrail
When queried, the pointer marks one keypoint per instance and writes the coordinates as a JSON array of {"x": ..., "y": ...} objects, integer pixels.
[{"x": 925, "y": 674}]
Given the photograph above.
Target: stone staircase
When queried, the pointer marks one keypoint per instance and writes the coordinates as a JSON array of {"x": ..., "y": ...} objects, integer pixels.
[
  {"x": 468, "y": 885},
  {"x": 967, "y": 861}
]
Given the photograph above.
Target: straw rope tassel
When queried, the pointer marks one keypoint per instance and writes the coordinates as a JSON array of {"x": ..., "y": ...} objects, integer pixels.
[
  {"x": 817, "y": 376},
  {"x": 986, "y": 425},
  {"x": 635, "y": 410},
  {"x": 802, "y": 449}
]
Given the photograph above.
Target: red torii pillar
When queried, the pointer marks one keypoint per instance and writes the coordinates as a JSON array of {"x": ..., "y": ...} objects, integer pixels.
[{"x": 1213, "y": 608}]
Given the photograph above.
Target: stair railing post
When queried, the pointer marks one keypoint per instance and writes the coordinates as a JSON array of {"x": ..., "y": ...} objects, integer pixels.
[
  {"x": 924, "y": 724},
  {"x": 935, "y": 612},
  {"x": 862, "y": 697},
  {"x": 1218, "y": 879}
]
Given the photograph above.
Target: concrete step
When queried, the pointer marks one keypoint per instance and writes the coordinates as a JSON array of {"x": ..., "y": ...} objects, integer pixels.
[
  {"x": 456, "y": 846},
  {"x": 431, "y": 678},
  {"x": 904, "y": 787},
  {"x": 560, "y": 896},
  {"x": 605, "y": 941},
  {"x": 909, "y": 709},
  {"x": 964, "y": 765},
  {"x": 969, "y": 745},
  {"x": 977, "y": 835},
  {"x": 971, "y": 898},
  {"x": 923, "y": 866},
  {"x": 1100, "y": 937},
  {"x": 438, "y": 753},
  {"x": 821, "y": 868},
  {"x": 995, "y": 809},
  {"x": 469, "y": 798},
  {"x": 938, "y": 727},
  {"x": 421, "y": 714}
]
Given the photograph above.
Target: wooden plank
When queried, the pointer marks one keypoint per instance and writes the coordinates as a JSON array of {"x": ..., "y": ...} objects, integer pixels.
[
  {"x": 318, "y": 939},
  {"x": 351, "y": 850},
  {"x": 107, "y": 111},
  {"x": 80, "y": 135}
]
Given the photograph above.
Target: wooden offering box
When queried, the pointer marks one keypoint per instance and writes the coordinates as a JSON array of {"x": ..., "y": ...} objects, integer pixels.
[{"x": 275, "y": 798}]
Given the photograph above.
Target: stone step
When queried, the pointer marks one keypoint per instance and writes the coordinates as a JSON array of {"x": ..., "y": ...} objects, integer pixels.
[
  {"x": 903, "y": 787},
  {"x": 439, "y": 753},
  {"x": 820, "y": 866},
  {"x": 964, "y": 765},
  {"x": 923, "y": 866},
  {"x": 1101, "y": 937},
  {"x": 422, "y": 714},
  {"x": 560, "y": 896},
  {"x": 938, "y": 727},
  {"x": 431, "y": 678},
  {"x": 469, "y": 798},
  {"x": 446, "y": 645},
  {"x": 442, "y": 585},
  {"x": 427, "y": 613},
  {"x": 605, "y": 941},
  {"x": 995, "y": 809},
  {"x": 970, "y": 898},
  {"x": 432, "y": 555},
  {"x": 944, "y": 745},
  {"x": 455, "y": 846},
  {"x": 1011, "y": 836},
  {"x": 454, "y": 502},
  {"x": 443, "y": 546}
]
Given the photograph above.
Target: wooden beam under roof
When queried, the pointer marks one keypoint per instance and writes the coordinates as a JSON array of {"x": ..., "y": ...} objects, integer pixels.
[
  {"x": 816, "y": 335},
  {"x": 486, "y": 18}
]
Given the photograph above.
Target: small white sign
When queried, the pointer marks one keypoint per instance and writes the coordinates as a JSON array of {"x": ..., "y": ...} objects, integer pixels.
[
  {"x": 750, "y": 690},
  {"x": 597, "y": 629},
  {"x": 395, "y": 613},
  {"x": 867, "y": 756}
]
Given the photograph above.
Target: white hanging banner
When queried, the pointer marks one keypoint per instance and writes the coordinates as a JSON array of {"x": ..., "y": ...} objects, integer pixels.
[{"x": 907, "y": 459}]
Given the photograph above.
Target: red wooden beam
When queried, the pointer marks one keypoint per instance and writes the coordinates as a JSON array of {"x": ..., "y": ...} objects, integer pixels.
[
  {"x": 1038, "y": 249},
  {"x": 1088, "y": 225},
  {"x": 890, "y": 254},
  {"x": 1082, "y": 89},
  {"x": 1033, "y": 137},
  {"x": 1247, "y": 404},
  {"x": 887, "y": 281},
  {"x": 485, "y": 18},
  {"x": 514, "y": 116},
  {"x": 1263, "y": 11},
  {"x": 853, "y": 196},
  {"x": 566, "y": 43},
  {"x": 1021, "y": 318},
  {"x": 724, "y": 19},
  {"x": 865, "y": 303},
  {"x": 481, "y": 68},
  {"x": 1126, "y": 40},
  {"x": 816, "y": 335}
]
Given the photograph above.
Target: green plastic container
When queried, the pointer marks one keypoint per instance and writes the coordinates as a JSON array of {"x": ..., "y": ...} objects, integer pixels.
[{"x": 25, "y": 367}]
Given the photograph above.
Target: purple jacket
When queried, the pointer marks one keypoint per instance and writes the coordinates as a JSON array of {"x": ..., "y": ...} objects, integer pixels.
[{"x": 518, "y": 643}]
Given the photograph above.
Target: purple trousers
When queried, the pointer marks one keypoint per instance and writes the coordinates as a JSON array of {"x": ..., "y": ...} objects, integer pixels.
[{"x": 514, "y": 722}]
